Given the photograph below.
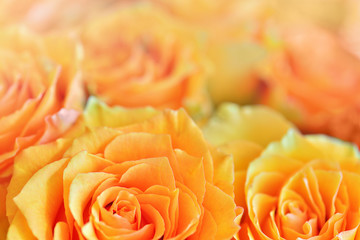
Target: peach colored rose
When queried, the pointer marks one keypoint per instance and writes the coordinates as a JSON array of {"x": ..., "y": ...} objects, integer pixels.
[
  {"x": 304, "y": 188},
  {"x": 138, "y": 56},
  {"x": 222, "y": 30},
  {"x": 37, "y": 101},
  {"x": 153, "y": 179},
  {"x": 314, "y": 80},
  {"x": 297, "y": 187},
  {"x": 227, "y": 33}
]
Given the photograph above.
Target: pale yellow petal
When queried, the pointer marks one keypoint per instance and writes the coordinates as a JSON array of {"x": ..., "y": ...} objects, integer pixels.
[
  {"x": 98, "y": 114},
  {"x": 94, "y": 141},
  {"x": 223, "y": 171},
  {"x": 257, "y": 124},
  {"x": 333, "y": 149}
]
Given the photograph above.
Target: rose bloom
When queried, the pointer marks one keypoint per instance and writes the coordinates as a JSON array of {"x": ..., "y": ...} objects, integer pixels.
[
  {"x": 227, "y": 33},
  {"x": 135, "y": 174},
  {"x": 138, "y": 56},
  {"x": 244, "y": 132},
  {"x": 316, "y": 88},
  {"x": 302, "y": 187},
  {"x": 38, "y": 102}
]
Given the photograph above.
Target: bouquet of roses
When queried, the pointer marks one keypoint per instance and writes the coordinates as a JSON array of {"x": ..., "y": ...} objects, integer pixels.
[{"x": 179, "y": 119}]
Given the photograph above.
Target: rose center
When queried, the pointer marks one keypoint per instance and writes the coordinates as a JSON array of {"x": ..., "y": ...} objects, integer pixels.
[{"x": 124, "y": 209}]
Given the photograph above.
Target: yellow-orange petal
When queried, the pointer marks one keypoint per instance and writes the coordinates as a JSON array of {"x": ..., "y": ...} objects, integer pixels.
[
  {"x": 222, "y": 208},
  {"x": 80, "y": 163},
  {"x": 81, "y": 190},
  {"x": 98, "y": 114},
  {"x": 192, "y": 172},
  {"x": 232, "y": 122},
  {"x": 61, "y": 231},
  {"x": 243, "y": 153},
  {"x": 19, "y": 229},
  {"x": 47, "y": 184},
  {"x": 223, "y": 171},
  {"x": 93, "y": 141},
  {"x": 184, "y": 133},
  {"x": 27, "y": 163}
]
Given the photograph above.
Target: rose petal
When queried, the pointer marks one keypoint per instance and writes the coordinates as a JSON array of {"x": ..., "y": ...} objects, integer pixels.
[
  {"x": 232, "y": 122},
  {"x": 81, "y": 190},
  {"x": 19, "y": 229},
  {"x": 47, "y": 184},
  {"x": 4, "y": 223},
  {"x": 61, "y": 231},
  {"x": 80, "y": 163},
  {"x": 189, "y": 213},
  {"x": 151, "y": 215},
  {"x": 184, "y": 134},
  {"x": 222, "y": 208},
  {"x": 49, "y": 104},
  {"x": 149, "y": 172},
  {"x": 94, "y": 141},
  {"x": 223, "y": 171},
  {"x": 135, "y": 146},
  {"x": 192, "y": 171},
  {"x": 208, "y": 227},
  {"x": 166, "y": 203},
  {"x": 27, "y": 163},
  {"x": 99, "y": 114}
]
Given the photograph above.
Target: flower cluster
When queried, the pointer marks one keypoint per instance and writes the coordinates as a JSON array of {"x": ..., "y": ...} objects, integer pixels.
[{"x": 179, "y": 120}]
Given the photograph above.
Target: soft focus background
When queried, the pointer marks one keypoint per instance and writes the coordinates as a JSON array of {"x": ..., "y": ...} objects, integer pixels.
[{"x": 299, "y": 57}]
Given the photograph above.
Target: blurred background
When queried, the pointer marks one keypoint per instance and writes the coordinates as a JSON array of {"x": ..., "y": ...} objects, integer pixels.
[{"x": 301, "y": 58}]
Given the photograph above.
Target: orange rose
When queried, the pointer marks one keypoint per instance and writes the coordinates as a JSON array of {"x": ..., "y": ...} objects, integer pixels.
[
  {"x": 227, "y": 33},
  {"x": 154, "y": 179},
  {"x": 37, "y": 102},
  {"x": 304, "y": 188},
  {"x": 140, "y": 56},
  {"x": 315, "y": 82},
  {"x": 297, "y": 187}
]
